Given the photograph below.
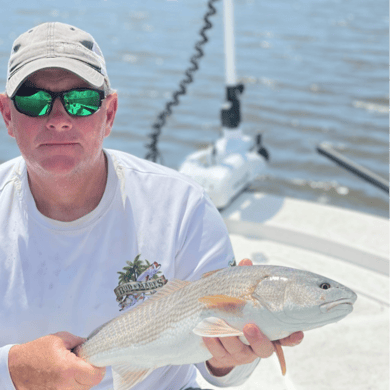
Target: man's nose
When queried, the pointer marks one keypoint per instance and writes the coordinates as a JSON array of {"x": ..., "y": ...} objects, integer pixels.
[{"x": 58, "y": 118}]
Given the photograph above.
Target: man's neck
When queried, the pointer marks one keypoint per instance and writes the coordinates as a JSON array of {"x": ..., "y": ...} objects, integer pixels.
[{"x": 68, "y": 199}]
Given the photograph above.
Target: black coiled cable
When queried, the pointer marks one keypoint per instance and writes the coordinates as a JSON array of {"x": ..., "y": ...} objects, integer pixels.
[{"x": 154, "y": 153}]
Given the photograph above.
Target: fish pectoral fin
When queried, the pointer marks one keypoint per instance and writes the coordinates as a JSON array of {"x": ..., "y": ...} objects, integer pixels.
[
  {"x": 223, "y": 302},
  {"x": 280, "y": 355},
  {"x": 125, "y": 376},
  {"x": 215, "y": 327}
]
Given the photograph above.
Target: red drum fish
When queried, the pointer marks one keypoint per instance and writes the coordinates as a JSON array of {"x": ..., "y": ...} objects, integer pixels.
[{"x": 167, "y": 329}]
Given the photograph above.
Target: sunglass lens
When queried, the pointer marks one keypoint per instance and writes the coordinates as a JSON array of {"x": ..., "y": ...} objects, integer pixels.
[
  {"x": 34, "y": 105},
  {"x": 82, "y": 103}
]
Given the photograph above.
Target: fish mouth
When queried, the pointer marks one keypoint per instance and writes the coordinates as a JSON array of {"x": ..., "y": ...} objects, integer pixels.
[{"x": 344, "y": 304}]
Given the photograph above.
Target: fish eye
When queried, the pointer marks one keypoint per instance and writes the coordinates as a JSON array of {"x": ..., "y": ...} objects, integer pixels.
[{"x": 325, "y": 286}]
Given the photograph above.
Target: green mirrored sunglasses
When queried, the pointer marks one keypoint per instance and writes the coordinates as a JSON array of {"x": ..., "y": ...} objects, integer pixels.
[{"x": 39, "y": 102}]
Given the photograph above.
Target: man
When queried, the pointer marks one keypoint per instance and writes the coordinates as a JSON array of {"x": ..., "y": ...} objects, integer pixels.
[{"x": 74, "y": 215}]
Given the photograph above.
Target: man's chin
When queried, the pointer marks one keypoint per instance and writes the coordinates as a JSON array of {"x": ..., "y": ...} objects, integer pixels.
[{"x": 59, "y": 165}]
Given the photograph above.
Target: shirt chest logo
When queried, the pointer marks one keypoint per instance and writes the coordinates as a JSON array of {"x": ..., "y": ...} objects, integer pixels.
[{"x": 138, "y": 279}]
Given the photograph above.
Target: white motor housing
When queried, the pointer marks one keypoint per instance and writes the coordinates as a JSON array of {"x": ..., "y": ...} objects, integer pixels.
[{"x": 226, "y": 168}]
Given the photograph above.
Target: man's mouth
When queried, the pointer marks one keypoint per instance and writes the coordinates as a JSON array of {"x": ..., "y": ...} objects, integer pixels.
[{"x": 59, "y": 144}]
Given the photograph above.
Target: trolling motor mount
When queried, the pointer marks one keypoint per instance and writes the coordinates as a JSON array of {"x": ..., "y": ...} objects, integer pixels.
[{"x": 230, "y": 113}]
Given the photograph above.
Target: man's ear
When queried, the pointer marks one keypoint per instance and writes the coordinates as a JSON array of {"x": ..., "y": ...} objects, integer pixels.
[
  {"x": 111, "y": 109},
  {"x": 5, "y": 109}
]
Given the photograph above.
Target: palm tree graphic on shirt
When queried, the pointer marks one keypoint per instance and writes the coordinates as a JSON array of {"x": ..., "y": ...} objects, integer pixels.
[{"x": 134, "y": 269}]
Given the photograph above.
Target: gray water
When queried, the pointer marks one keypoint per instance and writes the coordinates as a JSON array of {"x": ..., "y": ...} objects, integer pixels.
[{"x": 314, "y": 71}]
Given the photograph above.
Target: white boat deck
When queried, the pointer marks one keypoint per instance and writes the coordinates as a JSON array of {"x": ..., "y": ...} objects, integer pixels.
[{"x": 351, "y": 248}]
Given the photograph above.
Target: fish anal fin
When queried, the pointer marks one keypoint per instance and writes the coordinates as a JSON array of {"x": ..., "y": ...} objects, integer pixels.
[
  {"x": 223, "y": 302},
  {"x": 205, "y": 275},
  {"x": 215, "y": 327},
  {"x": 125, "y": 376},
  {"x": 280, "y": 355}
]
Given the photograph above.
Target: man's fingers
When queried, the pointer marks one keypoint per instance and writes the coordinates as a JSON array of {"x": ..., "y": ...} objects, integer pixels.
[
  {"x": 292, "y": 340},
  {"x": 227, "y": 347},
  {"x": 236, "y": 348},
  {"x": 260, "y": 344},
  {"x": 215, "y": 346},
  {"x": 49, "y": 359},
  {"x": 86, "y": 374},
  {"x": 90, "y": 375},
  {"x": 69, "y": 340},
  {"x": 228, "y": 352},
  {"x": 245, "y": 262}
]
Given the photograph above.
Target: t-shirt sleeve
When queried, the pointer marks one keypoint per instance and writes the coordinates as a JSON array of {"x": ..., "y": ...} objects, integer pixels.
[
  {"x": 5, "y": 377},
  {"x": 204, "y": 243},
  {"x": 236, "y": 377}
]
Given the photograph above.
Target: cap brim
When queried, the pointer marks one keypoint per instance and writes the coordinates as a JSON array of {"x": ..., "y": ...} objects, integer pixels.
[{"x": 79, "y": 68}]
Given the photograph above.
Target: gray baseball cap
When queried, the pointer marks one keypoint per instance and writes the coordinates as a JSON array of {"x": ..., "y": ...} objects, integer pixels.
[{"x": 56, "y": 45}]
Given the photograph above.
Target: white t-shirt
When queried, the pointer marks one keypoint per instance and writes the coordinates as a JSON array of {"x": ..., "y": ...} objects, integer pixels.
[{"x": 61, "y": 276}]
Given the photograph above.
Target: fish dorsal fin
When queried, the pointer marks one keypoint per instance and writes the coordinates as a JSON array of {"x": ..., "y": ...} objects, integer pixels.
[
  {"x": 172, "y": 286},
  {"x": 125, "y": 376},
  {"x": 215, "y": 327},
  {"x": 223, "y": 302},
  {"x": 205, "y": 275}
]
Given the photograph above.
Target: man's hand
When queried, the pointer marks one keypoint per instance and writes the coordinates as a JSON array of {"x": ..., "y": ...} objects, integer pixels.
[
  {"x": 48, "y": 364},
  {"x": 229, "y": 352}
]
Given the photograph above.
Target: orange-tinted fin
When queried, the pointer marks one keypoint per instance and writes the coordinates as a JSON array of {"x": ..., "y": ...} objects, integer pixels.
[
  {"x": 215, "y": 327},
  {"x": 280, "y": 355},
  {"x": 125, "y": 376},
  {"x": 223, "y": 302}
]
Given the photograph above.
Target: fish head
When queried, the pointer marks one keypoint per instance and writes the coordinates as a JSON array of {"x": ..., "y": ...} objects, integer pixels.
[{"x": 303, "y": 299}]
